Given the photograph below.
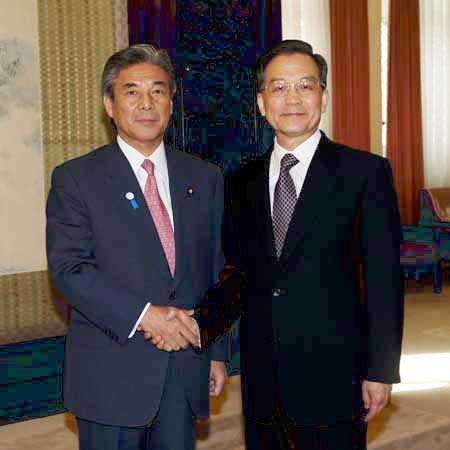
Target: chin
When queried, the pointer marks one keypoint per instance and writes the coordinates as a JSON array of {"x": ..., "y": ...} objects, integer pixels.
[
  {"x": 293, "y": 133},
  {"x": 149, "y": 136},
  {"x": 293, "y": 126}
]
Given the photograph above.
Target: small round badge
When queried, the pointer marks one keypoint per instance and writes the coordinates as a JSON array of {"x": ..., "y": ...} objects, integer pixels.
[{"x": 129, "y": 196}]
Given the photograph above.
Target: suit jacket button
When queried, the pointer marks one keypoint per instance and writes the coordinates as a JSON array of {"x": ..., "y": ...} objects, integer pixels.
[
  {"x": 276, "y": 292},
  {"x": 172, "y": 296}
]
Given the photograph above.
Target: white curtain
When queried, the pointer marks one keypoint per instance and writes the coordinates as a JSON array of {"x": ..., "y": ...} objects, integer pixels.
[
  {"x": 310, "y": 21},
  {"x": 435, "y": 74}
]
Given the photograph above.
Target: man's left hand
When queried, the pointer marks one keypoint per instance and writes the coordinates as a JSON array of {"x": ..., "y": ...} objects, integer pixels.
[
  {"x": 376, "y": 397},
  {"x": 217, "y": 378}
]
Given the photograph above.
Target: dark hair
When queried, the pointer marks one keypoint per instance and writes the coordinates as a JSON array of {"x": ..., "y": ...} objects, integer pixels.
[
  {"x": 136, "y": 54},
  {"x": 290, "y": 47}
]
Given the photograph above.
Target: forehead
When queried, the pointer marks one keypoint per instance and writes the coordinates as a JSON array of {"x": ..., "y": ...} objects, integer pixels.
[
  {"x": 141, "y": 74},
  {"x": 294, "y": 66}
]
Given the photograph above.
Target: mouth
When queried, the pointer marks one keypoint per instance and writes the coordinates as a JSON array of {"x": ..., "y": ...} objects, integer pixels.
[
  {"x": 293, "y": 114},
  {"x": 147, "y": 121}
]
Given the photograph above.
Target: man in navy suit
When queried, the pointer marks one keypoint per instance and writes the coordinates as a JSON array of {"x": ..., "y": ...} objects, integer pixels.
[{"x": 134, "y": 242}]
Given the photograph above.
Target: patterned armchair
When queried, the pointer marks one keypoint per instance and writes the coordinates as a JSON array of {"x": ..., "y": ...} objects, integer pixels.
[
  {"x": 435, "y": 214},
  {"x": 419, "y": 255}
]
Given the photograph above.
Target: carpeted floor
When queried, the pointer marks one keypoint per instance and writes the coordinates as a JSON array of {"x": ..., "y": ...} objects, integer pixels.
[{"x": 418, "y": 418}]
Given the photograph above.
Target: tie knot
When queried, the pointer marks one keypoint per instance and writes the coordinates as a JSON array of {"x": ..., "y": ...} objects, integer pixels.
[
  {"x": 148, "y": 166},
  {"x": 288, "y": 162}
]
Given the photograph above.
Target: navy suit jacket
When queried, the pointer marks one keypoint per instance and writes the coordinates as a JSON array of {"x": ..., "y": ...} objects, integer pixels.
[
  {"x": 106, "y": 258},
  {"x": 304, "y": 330}
]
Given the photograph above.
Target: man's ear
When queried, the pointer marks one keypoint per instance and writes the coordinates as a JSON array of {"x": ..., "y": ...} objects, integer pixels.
[
  {"x": 325, "y": 100},
  {"x": 108, "y": 104},
  {"x": 260, "y": 101}
]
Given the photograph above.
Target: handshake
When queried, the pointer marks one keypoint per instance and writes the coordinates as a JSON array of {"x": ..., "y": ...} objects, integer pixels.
[
  {"x": 170, "y": 329},
  {"x": 173, "y": 329}
]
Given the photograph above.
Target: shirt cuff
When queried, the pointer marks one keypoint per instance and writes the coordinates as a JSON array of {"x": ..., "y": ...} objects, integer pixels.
[
  {"x": 133, "y": 331},
  {"x": 199, "y": 335}
]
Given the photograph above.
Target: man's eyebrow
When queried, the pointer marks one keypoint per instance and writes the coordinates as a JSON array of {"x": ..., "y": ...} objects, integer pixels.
[
  {"x": 129, "y": 85},
  {"x": 132, "y": 84},
  {"x": 160, "y": 83},
  {"x": 307, "y": 77}
]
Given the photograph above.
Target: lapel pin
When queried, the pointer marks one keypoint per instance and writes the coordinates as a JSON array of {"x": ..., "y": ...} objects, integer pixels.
[
  {"x": 130, "y": 196},
  {"x": 189, "y": 191}
]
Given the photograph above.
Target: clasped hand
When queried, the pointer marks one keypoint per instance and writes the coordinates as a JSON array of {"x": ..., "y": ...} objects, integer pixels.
[{"x": 169, "y": 328}]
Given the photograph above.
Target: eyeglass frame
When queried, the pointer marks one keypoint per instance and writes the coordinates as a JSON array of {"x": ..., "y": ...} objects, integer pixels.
[{"x": 294, "y": 83}]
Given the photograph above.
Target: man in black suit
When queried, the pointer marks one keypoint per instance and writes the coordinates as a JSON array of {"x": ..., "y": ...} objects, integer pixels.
[
  {"x": 317, "y": 362},
  {"x": 133, "y": 242}
]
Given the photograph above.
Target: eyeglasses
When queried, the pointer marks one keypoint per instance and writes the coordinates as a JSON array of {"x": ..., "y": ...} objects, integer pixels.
[{"x": 305, "y": 87}]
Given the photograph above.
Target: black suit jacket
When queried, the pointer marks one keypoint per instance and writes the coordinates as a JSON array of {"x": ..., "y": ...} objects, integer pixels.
[
  {"x": 304, "y": 328},
  {"x": 107, "y": 259}
]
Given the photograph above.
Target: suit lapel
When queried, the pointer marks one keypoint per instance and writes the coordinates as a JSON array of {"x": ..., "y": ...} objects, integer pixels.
[
  {"x": 263, "y": 210},
  {"x": 179, "y": 183},
  {"x": 317, "y": 188},
  {"x": 121, "y": 181}
]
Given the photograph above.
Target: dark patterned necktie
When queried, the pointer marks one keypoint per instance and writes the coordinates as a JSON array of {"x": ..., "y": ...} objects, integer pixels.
[{"x": 284, "y": 200}]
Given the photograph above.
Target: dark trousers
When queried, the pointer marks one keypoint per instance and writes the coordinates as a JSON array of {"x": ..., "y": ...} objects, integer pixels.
[
  {"x": 173, "y": 428},
  {"x": 281, "y": 435}
]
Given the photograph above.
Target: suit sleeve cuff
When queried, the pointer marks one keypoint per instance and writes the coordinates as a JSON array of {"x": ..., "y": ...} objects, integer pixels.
[{"x": 133, "y": 331}]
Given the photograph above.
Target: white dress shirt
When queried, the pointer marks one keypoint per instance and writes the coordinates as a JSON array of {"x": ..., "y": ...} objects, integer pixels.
[
  {"x": 304, "y": 153},
  {"x": 158, "y": 158}
]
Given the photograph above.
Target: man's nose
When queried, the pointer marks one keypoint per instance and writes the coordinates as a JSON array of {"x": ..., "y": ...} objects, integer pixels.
[
  {"x": 293, "y": 96},
  {"x": 146, "y": 101}
]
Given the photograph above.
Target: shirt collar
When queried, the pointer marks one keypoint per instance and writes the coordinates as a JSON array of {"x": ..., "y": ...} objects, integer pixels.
[
  {"x": 304, "y": 152},
  {"x": 136, "y": 158}
]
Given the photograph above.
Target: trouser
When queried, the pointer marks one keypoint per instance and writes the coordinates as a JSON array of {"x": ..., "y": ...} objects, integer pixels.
[
  {"x": 282, "y": 435},
  {"x": 173, "y": 428}
]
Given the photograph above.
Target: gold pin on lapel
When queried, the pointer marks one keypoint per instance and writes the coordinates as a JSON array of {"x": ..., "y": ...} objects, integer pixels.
[{"x": 189, "y": 191}]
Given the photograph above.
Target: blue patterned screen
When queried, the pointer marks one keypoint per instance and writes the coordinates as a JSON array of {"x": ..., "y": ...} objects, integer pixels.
[{"x": 217, "y": 43}]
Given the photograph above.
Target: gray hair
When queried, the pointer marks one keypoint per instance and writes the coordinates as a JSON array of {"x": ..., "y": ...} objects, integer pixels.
[
  {"x": 136, "y": 54},
  {"x": 289, "y": 47}
]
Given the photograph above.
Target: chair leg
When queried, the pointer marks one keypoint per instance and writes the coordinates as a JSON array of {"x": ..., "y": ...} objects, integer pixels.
[{"x": 437, "y": 277}]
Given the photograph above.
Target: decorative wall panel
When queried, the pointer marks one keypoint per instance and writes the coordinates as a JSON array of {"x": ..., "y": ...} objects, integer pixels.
[
  {"x": 215, "y": 56},
  {"x": 76, "y": 39},
  {"x": 217, "y": 46},
  {"x": 29, "y": 308},
  {"x": 120, "y": 23},
  {"x": 21, "y": 156}
]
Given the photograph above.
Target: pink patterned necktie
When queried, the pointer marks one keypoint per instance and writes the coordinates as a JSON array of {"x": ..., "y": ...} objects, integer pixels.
[{"x": 160, "y": 215}]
